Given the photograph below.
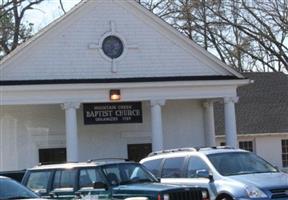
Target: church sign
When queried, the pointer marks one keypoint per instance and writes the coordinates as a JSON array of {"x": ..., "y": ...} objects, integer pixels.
[{"x": 112, "y": 113}]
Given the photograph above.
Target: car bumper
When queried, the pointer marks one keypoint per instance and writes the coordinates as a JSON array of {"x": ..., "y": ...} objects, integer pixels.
[{"x": 260, "y": 199}]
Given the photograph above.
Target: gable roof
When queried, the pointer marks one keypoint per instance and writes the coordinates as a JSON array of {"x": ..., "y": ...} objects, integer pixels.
[
  {"x": 137, "y": 8},
  {"x": 262, "y": 106}
]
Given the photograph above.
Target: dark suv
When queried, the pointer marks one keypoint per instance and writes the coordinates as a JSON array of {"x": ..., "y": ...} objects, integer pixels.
[{"x": 104, "y": 180}]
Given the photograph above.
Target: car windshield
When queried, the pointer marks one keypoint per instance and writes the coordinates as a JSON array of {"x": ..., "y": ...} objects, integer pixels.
[
  {"x": 10, "y": 189},
  {"x": 237, "y": 163},
  {"x": 127, "y": 173}
]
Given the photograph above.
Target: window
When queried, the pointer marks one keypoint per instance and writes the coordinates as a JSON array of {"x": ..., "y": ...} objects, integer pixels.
[
  {"x": 285, "y": 153},
  {"x": 64, "y": 179},
  {"x": 246, "y": 145},
  {"x": 112, "y": 46},
  {"x": 52, "y": 156},
  {"x": 172, "y": 167},
  {"x": 239, "y": 163},
  {"x": 126, "y": 173},
  {"x": 195, "y": 164},
  {"x": 223, "y": 144},
  {"x": 154, "y": 166},
  {"x": 136, "y": 152},
  {"x": 38, "y": 181},
  {"x": 89, "y": 176},
  {"x": 113, "y": 174}
]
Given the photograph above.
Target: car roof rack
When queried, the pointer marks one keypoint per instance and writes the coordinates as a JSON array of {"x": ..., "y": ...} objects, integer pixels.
[
  {"x": 60, "y": 163},
  {"x": 107, "y": 160},
  {"x": 193, "y": 149},
  {"x": 215, "y": 147},
  {"x": 172, "y": 150}
]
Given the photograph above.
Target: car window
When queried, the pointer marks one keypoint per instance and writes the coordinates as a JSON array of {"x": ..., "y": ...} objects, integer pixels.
[
  {"x": 153, "y": 166},
  {"x": 38, "y": 181},
  {"x": 127, "y": 173},
  {"x": 90, "y": 176},
  {"x": 64, "y": 179},
  {"x": 172, "y": 167},
  {"x": 195, "y": 163},
  {"x": 113, "y": 174},
  {"x": 237, "y": 163}
]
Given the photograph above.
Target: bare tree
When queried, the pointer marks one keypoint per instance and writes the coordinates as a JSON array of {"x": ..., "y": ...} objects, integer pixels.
[
  {"x": 13, "y": 31},
  {"x": 248, "y": 35},
  {"x": 261, "y": 26}
]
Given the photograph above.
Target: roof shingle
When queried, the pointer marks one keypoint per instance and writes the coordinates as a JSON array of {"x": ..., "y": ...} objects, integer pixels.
[{"x": 262, "y": 106}]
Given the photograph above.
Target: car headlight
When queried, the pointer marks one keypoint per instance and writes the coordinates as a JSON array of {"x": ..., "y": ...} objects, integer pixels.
[
  {"x": 254, "y": 192},
  {"x": 166, "y": 197},
  {"x": 205, "y": 195}
]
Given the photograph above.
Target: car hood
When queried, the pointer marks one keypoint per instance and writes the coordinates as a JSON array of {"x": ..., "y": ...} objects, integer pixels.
[
  {"x": 263, "y": 180},
  {"x": 159, "y": 187}
]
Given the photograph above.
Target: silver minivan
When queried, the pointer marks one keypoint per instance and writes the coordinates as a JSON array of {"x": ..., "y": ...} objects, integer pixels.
[{"x": 228, "y": 173}]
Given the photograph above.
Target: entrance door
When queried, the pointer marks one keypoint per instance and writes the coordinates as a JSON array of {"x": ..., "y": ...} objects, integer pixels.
[
  {"x": 52, "y": 156},
  {"x": 138, "y": 151}
]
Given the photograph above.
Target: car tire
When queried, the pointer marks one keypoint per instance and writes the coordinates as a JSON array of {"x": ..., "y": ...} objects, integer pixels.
[{"x": 224, "y": 197}]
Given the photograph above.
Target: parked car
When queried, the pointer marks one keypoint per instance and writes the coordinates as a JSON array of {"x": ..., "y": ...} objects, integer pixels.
[
  {"x": 10, "y": 189},
  {"x": 228, "y": 173},
  {"x": 104, "y": 180}
]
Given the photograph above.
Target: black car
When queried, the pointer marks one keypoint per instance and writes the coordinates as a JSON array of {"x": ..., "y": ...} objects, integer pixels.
[
  {"x": 10, "y": 189},
  {"x": 104, "y": 180}
]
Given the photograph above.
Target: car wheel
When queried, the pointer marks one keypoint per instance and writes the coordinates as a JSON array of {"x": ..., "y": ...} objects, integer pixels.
[{"x": 224, "y": 197}]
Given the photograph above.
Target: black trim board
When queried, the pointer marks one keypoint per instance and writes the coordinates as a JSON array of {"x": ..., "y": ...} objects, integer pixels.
[{"x": 116, "y": 80}]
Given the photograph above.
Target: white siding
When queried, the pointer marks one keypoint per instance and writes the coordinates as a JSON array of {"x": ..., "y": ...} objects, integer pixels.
[{"x": 270, "y": 149}]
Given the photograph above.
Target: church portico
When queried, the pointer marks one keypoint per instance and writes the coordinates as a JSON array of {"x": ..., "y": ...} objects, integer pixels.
[{"x": 61, "y": 126}]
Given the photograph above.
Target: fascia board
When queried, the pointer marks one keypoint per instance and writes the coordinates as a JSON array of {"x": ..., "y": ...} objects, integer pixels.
[
  {"x": 57, "y": 94},
  {"x": 38, "y": 97},
  {"x": 240, "y": 136},
  {"x": 167, "y": 84}
]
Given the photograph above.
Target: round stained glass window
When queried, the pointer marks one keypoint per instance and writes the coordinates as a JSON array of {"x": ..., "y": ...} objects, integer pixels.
[{"x": 112, "y": 47}]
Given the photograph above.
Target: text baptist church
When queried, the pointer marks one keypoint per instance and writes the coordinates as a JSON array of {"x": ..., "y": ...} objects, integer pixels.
[{"x": 117, "y": 113}]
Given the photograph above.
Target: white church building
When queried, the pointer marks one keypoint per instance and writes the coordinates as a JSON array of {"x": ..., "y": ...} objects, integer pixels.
[{"x": 110, "y": 80}]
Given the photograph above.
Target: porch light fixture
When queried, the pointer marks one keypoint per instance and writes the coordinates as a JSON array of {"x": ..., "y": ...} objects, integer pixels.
[{"x": 115, "y": 95}]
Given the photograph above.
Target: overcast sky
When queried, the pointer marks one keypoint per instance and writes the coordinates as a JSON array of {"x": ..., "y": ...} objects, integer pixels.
[{"x": 47, "y": 11}]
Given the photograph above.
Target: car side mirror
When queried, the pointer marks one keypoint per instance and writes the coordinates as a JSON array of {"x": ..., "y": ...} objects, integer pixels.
[
  {"x": 203, "y": 173},
  {"x": 100, "y": 185},
  {"x": 53, "y": 195},
  {"x": 40, "y": 192},
  {"x": 277, "y": 168}
]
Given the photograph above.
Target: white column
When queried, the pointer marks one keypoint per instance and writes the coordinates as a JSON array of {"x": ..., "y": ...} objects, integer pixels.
[
  {"x": 156, "y": 123},
  {"x": 209, "y": 123},
  {"x": 230, "y": 121},
  {"x": 71, "y": 130}
]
